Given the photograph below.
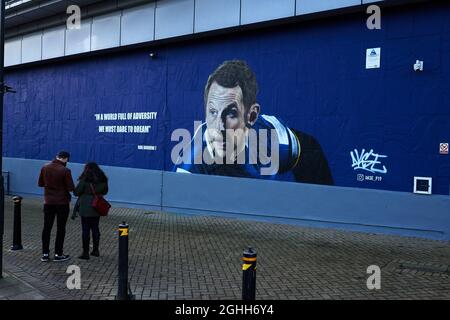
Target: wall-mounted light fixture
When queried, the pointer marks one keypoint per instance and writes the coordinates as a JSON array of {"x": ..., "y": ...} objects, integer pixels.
[{"x": 418, "y": 66}]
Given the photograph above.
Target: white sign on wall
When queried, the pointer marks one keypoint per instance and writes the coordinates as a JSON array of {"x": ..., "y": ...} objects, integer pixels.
[{"x": 373, "y": 58}]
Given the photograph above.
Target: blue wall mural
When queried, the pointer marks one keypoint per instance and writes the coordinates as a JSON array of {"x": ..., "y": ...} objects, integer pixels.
[{"x": 377, "y": 128}]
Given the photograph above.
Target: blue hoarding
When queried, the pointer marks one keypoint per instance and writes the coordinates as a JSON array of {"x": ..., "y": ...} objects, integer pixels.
[{"x": 344, "y": 124}]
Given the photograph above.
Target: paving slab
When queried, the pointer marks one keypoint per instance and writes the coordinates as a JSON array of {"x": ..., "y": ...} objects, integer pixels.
[
  {"x": 11, "y": 288},
  {"x": 189, "y": 257}
]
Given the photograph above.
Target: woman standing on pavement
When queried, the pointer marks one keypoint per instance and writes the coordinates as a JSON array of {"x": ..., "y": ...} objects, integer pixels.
[{"x": 92, "y": 181}]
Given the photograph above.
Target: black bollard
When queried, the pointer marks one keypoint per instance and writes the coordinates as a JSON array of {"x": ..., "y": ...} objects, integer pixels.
[
  {"x": 123, "y": 292},
  {"x": 17, "y": 232},
  {"x": 249, "y": 275}
]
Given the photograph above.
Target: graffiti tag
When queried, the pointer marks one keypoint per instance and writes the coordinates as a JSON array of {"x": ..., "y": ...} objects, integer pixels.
[{"x": 367, "y": 161}]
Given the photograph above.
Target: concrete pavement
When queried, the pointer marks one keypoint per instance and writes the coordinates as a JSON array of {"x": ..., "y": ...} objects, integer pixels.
[
  {"x": 198, "y": 257},
  {"x": 11, "y": 288}
]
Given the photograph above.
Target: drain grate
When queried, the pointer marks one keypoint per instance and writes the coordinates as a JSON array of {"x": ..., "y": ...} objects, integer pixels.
[
  {"x": 426, "y": 267},
  {"x": 400, "y": 265}
]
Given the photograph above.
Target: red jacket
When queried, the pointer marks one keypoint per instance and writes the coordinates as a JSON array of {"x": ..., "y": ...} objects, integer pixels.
[{"x": 57, "y": 182}]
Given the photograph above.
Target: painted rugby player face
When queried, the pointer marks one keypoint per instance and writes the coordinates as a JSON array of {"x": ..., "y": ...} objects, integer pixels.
[{"x": 225, "y": 110}]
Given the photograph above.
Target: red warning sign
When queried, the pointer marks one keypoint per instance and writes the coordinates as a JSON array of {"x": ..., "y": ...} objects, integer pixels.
[{"x": 443, "y": 148}]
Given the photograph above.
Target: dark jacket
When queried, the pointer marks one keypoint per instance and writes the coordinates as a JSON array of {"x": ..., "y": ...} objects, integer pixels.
[
  {"x": 85, "y": 196},
  {"x": 313, "y": 165},
  {"x": 311, "y": 168},
  {"x": 57, "y": 182}
]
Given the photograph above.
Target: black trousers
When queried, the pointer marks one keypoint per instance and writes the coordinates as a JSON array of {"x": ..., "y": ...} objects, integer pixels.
[
  {"x": 89, "y": 224},
  {"x": 61, "y": 213}
]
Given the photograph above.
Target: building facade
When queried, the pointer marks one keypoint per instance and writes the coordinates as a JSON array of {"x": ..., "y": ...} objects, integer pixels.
[{"x": 363, "y": 114}]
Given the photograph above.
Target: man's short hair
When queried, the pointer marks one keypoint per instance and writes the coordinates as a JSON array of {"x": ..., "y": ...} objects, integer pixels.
[
  {"x": 234, "y": 73},
  {"x": 63, "y": 155}
]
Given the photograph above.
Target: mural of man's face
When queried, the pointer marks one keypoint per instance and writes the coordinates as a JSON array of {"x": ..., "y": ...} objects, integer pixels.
[{"x": 225, "y": 110}]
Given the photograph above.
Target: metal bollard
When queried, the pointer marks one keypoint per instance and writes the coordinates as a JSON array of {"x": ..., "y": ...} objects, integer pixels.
[
  {"x": 123, "y": 292},
  {"x": 17, "y": 232},
  {"x": 249, "y": 275}
]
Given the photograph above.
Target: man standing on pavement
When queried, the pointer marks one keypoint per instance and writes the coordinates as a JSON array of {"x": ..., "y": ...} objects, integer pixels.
[{"x": 57, "y": 182}]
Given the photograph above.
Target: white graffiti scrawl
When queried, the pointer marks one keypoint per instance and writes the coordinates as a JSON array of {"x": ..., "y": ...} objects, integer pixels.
[{"x": 367, "y": 161}]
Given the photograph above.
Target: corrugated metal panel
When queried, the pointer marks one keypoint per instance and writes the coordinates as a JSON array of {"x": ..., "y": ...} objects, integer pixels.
[
  {"x": 263, "y": 10},
  {"x": 312, "y": 6},
  {"x": 174, "y": 18},
  {"x": 138, "y": 25},
  {"x": 13, "y": 51},
  {"x": 106, "y": 31},
  {"x": 79, "y": 40},
  {"x": 53, "y": 43},
  {"x": 32, "y": 47},
  {"x": 216, "y": 14}
]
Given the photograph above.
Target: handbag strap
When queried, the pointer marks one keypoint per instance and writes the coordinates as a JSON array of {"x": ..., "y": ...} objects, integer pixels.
[{"x": 93, "y": 189}]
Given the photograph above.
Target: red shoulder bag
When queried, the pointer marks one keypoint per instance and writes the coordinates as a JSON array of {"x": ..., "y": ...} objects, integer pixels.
[{"x": 99, "y": 203}]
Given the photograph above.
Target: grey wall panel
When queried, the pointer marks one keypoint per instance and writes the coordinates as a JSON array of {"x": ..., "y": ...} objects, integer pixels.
[
  {"x": 378, "y": 211},
  {"x": 375, "y": 210},
  {"x": 53, "y": 43},
  {"x": 79, "y": 40},
  {"x": 174, "y": 18},
  {"x": 106, "y": 31},
  {"x": 142, "y": 187},
  {"x": 216, "y": 14},
  {"x": 311, "y": 6},
  {"x": 24, "y": 175},
  {"x": 32, "y": 47},
  {"x": 13, "y": 51},
  {"x": 263, "y": 10},
  {"x": 138, "y": 24}
]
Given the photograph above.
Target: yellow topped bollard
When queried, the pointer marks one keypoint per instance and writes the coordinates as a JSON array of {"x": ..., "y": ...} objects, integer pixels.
[
  {"x": 123, "y": 292},
  {"x": 17, "y": 231},
  {"x": 249, "y": 275}
]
